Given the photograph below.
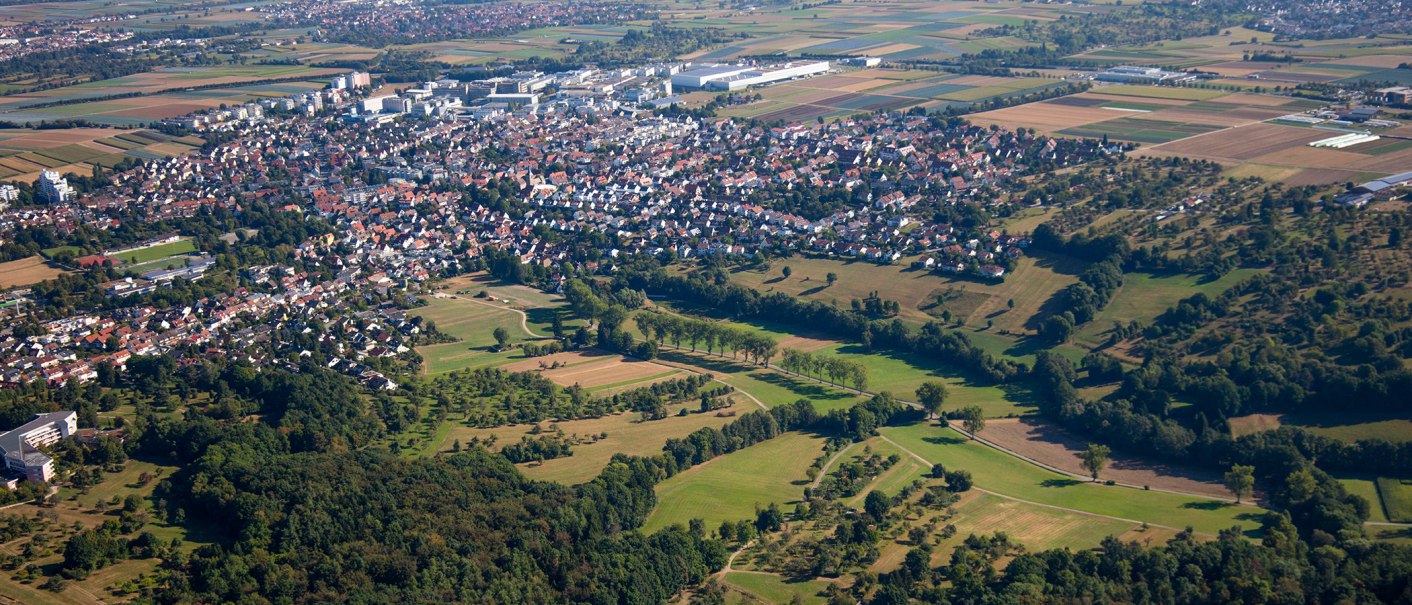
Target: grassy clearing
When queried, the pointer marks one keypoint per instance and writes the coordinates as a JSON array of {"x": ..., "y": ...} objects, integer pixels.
[
  {"x": 775, "y": 589},
  {"x": 1369, "y": 491},
  {"x": 729, "y": 488},
  {"x": 1396, "y": 495},
  {"x": 996, "y": 471},
  {"x": 626, "y": 434},
  {"x": 1144, "y": 296}
]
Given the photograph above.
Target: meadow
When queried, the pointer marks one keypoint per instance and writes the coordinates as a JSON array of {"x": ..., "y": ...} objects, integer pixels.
[
  {"x": 1004, "y": 475},
  {"x": 626, "y": 433},
  {"x": 731, "y": 487}
]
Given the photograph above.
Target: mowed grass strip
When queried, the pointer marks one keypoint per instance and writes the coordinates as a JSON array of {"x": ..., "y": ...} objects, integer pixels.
[
  {"x": 1001, "y": 473},
  {"x": 731, "y": 487}
]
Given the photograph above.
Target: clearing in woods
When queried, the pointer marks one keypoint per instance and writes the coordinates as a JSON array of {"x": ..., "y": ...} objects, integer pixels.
[
  {"x": 626, "y": 433},
  {"x": 1002, "y": 473},
  {"x": 730, "y": 487}
]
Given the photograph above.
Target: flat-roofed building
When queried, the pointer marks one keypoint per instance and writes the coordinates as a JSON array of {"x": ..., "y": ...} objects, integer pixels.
[{"x": 21, "y": 444}]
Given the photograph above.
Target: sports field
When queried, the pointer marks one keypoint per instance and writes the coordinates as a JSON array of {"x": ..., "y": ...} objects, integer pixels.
[{"x": 158, "y": 252}]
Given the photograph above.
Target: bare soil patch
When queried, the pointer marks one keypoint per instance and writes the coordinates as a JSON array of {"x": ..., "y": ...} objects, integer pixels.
[
  {"x": 1053, "y": 446},
  {"x": 1245, "y": 142},
  {"x": 27, "y": 271}
]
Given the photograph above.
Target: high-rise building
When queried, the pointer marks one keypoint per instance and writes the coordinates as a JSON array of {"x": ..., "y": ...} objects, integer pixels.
[{"x": 54, "y": 188}]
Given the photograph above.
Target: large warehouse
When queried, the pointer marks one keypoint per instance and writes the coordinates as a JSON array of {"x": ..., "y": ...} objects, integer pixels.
[{"x": 738, "y": 77}]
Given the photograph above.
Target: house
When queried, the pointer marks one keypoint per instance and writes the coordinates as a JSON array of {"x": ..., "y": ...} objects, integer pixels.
[{"x": 21, "y": 444}]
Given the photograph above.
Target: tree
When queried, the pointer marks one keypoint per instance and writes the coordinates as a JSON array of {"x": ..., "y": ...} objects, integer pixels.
[
  {"x": 932, "y": 394},
  {"x": 1240, "y": 480},
  {"x": 876, "y": 505},
  {"x": 1301, "y": 485},
  {"x": 831, "y": 277},
  {"x": 502, "y": 337},
  {"x": 1095, "y": 458},
  {"x": 786, "y": 271},
  {"x": 973, "y": 420}
]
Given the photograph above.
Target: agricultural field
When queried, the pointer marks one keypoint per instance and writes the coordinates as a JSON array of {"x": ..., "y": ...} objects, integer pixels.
[
  {"x": 160, "y": 94},
  {"x": 837, "y": 95},
  {"x": 27, "y": 271},
  {"x": 730, "y": 487},
  {"x": 26, "y": 153},
  {"x": 1240, "y": 130}
]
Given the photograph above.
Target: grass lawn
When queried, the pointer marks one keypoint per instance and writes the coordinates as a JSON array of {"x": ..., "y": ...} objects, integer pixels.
[
  {"x": 770, "y": 387},
  {"x": 998, "y": 472},
  {"x": 730, "y": 487},
  {"x": 775, "y": 589},
  {"x": 157, "y": 252}
]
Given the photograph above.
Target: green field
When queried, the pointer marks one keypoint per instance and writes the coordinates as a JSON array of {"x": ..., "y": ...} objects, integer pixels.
[
  {"x": 1396, "y": 495},
  {"x": 775, "y": 589},
  {"x": 1140, "y": 130},
  {"x": 999, "y": 472},
  {"x": 1144, "y": 296},
  {"x": 730, "y": 487},
  {"x": 1368, "y": 489},
  {"x": 473, "y": 324},
  {"x": 157, "y": 252},
  {"x": 1161, "y": 92}
]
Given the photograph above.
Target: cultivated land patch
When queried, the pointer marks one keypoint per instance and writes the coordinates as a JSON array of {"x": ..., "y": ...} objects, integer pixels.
[
  {"x": 730, "y": 487},
  {"x": 1044, "y": 442},
  {"x": 1396, "y": 496},
  {"x": 27, "y": 271}
]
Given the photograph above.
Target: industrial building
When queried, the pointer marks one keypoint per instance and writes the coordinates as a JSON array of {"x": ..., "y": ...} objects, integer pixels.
[
  {"x": 739, "y": 77},
  {"x": 1132, "y": 74}
]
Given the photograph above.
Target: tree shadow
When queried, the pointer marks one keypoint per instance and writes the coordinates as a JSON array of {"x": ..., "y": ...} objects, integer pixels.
[
  {"x": 814, "y": 290},
  {"x": 1208, "y": 505},
  {"x": 811, "y": 390},
  {"x": 945, "y": 440},
  {"x": 1060, "y": 482}
]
